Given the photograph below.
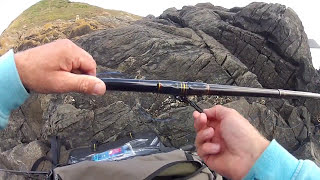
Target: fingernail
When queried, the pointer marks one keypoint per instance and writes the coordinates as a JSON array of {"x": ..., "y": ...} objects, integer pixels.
[{"x": 98, "y": 89}]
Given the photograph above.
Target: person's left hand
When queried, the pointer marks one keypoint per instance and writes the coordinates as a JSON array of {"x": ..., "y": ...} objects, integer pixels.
[
  {"x": 58, "y": 67},
  {"x": 227, "y": 142}
]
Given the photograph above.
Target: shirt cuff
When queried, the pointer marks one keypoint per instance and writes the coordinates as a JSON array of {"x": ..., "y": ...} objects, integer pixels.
[
  {"x": 12, "y": 92},
  {"x": 274, "y": 163}
]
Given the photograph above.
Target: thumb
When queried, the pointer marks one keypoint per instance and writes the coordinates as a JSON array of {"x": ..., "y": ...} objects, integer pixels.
[{"x": 83, "y": 84}]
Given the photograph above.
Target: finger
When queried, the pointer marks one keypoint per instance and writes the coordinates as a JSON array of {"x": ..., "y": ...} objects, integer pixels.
[
  {"x": 195, "y": 114},
  {"x": 200, "y": 122},
  {"x": 84, "y": 62},
  {"x": 208, "y": 149},
  {"x": 203, "y": 136},
  {"x": 88, "y": 64},
  {"x": 217, "y": 112},
  {"x": 80, "y": 59},
  {"x": 79, "y": 83}
]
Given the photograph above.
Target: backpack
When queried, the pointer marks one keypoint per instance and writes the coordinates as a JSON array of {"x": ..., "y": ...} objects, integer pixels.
[
  {"x": 176, "y": 164},
  {"x": 140, "y": 157}
]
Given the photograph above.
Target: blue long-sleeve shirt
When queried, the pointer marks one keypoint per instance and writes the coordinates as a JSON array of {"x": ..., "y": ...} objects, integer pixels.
[
  {"x": 12, "y": 92},
  {"x": 274, "y": 163},
  {"x": 277, "y": 163}
]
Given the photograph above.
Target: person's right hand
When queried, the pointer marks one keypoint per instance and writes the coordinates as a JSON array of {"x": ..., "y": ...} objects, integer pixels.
[
  {"x": 58, "y": 67},
  {"x": 227, "y": 142}
]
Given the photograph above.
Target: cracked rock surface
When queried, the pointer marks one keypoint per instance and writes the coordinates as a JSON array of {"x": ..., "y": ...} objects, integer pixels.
[{"x": 260, "y": 45}]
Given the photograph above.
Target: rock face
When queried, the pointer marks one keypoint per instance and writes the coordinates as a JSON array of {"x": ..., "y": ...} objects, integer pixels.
[{"x": 260, "y": 45}]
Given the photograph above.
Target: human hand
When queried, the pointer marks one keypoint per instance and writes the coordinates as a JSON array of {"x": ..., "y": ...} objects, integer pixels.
[
  {"x": 227, "y": 142},
  {"x": 58, "y": 67}
]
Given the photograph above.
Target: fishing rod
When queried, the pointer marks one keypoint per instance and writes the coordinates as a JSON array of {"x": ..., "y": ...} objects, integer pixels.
[{"x": 179, "y": 88}]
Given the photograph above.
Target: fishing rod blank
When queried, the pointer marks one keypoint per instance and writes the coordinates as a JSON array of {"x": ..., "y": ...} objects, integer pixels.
[{"x": 198, "y": 88}]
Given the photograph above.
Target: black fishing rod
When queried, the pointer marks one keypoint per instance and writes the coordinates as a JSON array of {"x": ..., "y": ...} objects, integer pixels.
[{"x": 178, "y": 88}]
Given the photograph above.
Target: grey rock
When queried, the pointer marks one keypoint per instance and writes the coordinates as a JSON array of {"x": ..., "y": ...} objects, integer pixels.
[
  {"x": 309, "y": 150},
  {"x": 283, "y": 30},
  {"x": 21, "y": 157},
  {"x": 267, "y": 121},
  {"x": 8, "y": 176},
  {"x": 70, "y": 123}
]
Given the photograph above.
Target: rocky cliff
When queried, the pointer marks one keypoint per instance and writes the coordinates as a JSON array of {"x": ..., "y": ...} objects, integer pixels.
[
  {"x": 260, "y": 45},
  {"x": 49, "y": 20}
]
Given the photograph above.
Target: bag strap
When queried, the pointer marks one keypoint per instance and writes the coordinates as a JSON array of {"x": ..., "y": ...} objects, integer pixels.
[
  {"x": 39, "y": 161},
  {"x": 164, "y": 171},
  {"x": 22, "y": 172},
  {"x": 189, "y": 156},
  {"x": 54, "y": 152}
]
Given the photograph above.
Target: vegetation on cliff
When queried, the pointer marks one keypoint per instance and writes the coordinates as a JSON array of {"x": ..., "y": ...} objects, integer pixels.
[
  {"x": 49, "y": 20},
  {"x": 49, "y": 10}
]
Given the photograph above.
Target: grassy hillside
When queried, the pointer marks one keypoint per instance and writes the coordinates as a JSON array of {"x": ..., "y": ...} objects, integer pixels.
[
  {"x": 49, "y": 10},
  {"x": 49, "y": 20}
]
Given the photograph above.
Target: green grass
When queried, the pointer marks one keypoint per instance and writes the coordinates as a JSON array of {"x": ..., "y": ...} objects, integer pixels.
[{"x": 49, "y": 10}]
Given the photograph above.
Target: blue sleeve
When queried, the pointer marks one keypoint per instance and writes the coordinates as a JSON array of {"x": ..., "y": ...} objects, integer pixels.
[
  {"x": 277, "y": 163},
  {"x": 12, "y": 92}
]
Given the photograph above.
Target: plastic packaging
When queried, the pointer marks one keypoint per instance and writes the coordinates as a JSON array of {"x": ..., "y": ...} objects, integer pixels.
[
  {"x": 135, "y": 147},
  {"x": 115, "y": 154}
]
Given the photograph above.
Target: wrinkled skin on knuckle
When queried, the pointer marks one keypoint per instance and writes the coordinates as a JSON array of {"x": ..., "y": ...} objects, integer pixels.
[
  {"x": 83, "y": 86},
  {"x": 65, "y": 51},
  {"x": 74, "y": 64},
  {"x": 66, "y": 65}
]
